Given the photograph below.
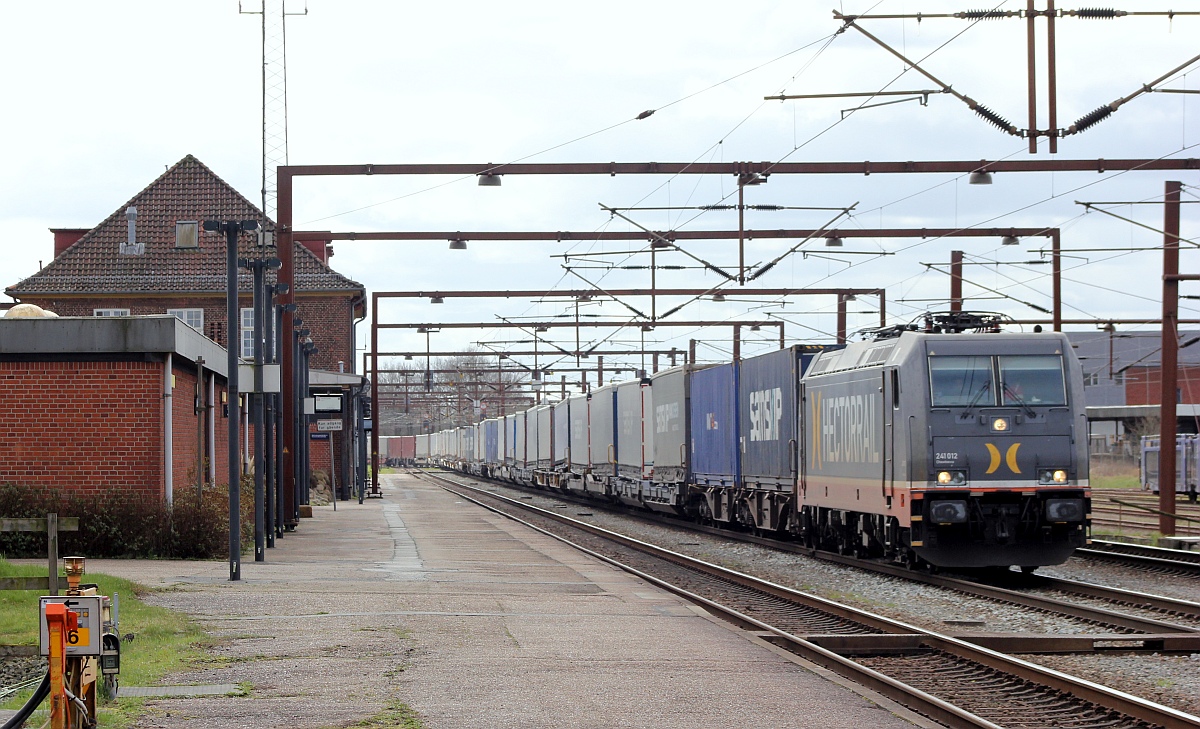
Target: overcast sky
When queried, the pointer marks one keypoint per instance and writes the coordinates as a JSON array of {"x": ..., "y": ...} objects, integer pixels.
[{"x": 102, "y": 97}]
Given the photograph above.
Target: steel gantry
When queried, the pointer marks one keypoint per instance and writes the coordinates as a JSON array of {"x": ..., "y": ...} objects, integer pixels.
[{"x": 287, "y": 175}]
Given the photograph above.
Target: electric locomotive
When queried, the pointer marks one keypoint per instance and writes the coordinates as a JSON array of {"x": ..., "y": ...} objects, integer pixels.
[{"x": 950, "y": 448}]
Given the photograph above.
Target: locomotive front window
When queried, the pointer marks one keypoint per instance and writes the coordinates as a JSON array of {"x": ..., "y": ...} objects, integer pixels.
[
  {"x": 1032, "y": 380},
  {"x": 962, "y": 382}
]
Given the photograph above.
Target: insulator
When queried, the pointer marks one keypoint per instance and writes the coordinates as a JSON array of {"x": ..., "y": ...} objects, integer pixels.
[
  {"x": 994, "y": 118},
  {"x": 1098, "y": 13},
  {"x": 985, "y": 14},
  {"x": 1091, "y": 119},
  {"x": 765, "y": 207},
  {"x": 716, "y": 207}
]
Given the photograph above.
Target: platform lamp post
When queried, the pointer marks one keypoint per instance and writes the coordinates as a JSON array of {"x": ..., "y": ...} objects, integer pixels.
[
  {"x": 307, "y": 350},
  {"x": 231, "y": 228},
  {"x": 270, "y": 409},
  {"x": 259, "y": 267},
  {"x": 299, "y": 421},
  {"x": 282, "y": 449}
]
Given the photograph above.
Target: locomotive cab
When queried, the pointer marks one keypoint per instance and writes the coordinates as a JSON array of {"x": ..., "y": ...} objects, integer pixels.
[{"x": 1006, "y": 476}]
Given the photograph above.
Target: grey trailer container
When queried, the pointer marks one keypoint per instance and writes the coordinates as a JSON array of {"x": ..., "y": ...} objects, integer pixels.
[
  {"x": 635, "y": 439},
  {"x": 560, "y": 419},
  {"x": 521, "y": 439},
  {"x": 541, "y": 437},
  {"x": 667, "y": 490},
  {"x": 668, "y": 421},
  {"x": 768, "y": 387},
  {"x": 422, "y": 454},
  {"x": 509, "y": 439},
  {"x": 713, "y": 426},
  {"x": 579, "y": 455},
  {"x": 602, "y": 424}
]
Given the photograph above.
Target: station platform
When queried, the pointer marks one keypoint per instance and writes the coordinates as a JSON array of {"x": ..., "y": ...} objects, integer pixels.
[{"x": 421, "y": 604}]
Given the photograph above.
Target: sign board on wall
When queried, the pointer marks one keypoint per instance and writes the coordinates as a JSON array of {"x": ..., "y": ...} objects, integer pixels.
[{"x": 325, "y": 426}]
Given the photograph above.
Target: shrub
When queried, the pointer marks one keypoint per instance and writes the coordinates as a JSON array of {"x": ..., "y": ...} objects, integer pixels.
[{"x": 116, "y": 523}]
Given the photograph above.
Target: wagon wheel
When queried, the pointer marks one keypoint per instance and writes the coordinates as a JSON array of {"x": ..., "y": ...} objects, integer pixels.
[{"x": 746, "y": 518}]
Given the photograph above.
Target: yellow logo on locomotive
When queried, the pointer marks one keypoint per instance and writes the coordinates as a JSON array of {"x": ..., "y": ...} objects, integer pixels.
[{"x": 1010, "y": 458}]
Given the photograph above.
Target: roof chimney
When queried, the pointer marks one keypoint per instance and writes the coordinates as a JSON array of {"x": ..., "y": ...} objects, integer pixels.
[
  {"x": 132, "y": 247},
  {"x": 322, "y": 249},
  {"x": 64, "y": 238}
]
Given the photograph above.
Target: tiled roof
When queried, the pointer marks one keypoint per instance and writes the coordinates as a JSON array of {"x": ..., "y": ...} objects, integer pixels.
[{"x": 187, "y": 191}]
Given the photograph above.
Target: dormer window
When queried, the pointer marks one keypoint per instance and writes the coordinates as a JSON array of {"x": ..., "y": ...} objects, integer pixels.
[{"x": 187, "y": 234}]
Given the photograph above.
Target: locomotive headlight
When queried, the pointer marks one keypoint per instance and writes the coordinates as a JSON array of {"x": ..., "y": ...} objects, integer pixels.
[
  {"x": 1064, "y": 509},
  {"x": 951, "y": 478},
  {"x": 1052, "y": 476},
  {"x": 1000, "y": 425},
  {"x": 949, "y": 512}
]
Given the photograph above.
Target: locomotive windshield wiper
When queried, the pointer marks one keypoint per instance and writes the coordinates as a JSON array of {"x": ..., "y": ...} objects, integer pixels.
[
  {"x": 987, "y": 386},
  {"x": 1009, "y": 392}
]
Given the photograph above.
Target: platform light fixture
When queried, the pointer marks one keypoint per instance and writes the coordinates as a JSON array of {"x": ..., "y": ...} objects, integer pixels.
[
  {"x": 718, "y": 298},
  {"x": 436, "y": 300},
  {"x": 833, "y": 241},
  {"x": 458, "y": 244},
  {"x": 487, "y": 179},
  {"x": 980, "y": 177},
  {"x": 1010, "y": 240}
]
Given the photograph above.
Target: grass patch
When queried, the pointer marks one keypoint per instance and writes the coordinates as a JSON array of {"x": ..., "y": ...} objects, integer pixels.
[
  {"x": 1115, "y": 474},
  {"x": 164, "y": 641},
  {"x": 397, "y": 715},
  {"x": 1127, "y": 482}
]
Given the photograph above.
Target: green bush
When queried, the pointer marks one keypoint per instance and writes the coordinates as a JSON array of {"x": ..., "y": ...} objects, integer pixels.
[{"x": 115, "y": 523}]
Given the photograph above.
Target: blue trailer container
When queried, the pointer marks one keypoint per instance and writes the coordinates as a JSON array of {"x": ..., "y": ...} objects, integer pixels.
[
  {"x": 713, "y": 425},
  {"x": 602, "y": 424},
  {"x": 491, "y": 441}
]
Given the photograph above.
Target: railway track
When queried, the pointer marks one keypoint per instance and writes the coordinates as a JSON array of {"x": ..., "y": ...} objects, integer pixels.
[
  {"x": 1156, "y": 559},
  {"x": 951, "y": 680},
  {"x": 1134, "y": 513},
  {"x": 1112, "y": 619}
]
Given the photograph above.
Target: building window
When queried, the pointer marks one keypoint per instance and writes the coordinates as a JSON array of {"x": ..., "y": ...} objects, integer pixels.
[
  {"x": 110, "y": 312},
  {"x": 248, "y": 333},
  {"x": 194, "y": 318},
  {"x": 187, "y": 234}
]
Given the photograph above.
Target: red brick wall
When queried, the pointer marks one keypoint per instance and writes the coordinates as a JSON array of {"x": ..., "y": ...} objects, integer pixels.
[
  {"x": 1143, "y": 385},
  {"x": 329, "y": 320},
  {"x": 82, "y": 425}
]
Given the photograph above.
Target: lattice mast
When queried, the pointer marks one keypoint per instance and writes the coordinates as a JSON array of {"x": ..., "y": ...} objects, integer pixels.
[{"x": 273, "y": 15}]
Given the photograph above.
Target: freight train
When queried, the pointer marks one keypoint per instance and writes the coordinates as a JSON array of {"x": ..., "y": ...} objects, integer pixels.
[{"x": 952, "y": 444}]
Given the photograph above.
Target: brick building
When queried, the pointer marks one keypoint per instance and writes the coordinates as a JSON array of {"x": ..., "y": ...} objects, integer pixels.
[
  {"x": 89, "y": 404},
  {"x": 152, "y": 256}
]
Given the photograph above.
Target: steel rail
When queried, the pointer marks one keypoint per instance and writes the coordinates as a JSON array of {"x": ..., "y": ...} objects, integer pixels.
[
  {"x": 1103, "y": 696},
  {"x": 902, "y": 693},
  {"x": 1153, "y": 629}
]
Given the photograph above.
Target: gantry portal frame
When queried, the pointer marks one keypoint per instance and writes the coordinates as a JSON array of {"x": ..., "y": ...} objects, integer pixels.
[{"x": 744, "y": 171}]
